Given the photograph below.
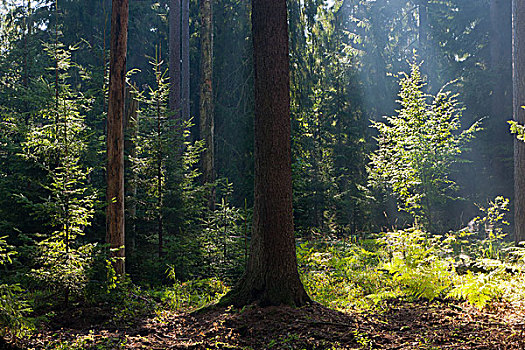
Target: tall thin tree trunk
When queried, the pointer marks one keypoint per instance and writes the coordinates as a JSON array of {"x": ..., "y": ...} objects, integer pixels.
[
  {"x": 115, "y": 140},
  {"x": 518, "y": 79},
  {"x": 174, "y": 69},
  {"x": 271, "y": 275},
  {"x": 206, "y": 97},
  {"x": 185, "y": 99},
  {"x": 159, "y": 160}
]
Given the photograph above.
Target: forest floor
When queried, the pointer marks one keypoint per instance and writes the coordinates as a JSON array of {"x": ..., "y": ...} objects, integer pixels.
[{"x": 402, "y": 325}]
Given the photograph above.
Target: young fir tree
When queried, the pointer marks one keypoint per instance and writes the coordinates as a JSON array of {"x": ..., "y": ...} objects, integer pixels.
[
  {"x": 417, "y": 148},
  {"x": 169, "y": 203},
  {"x": 58, "y": 146}
]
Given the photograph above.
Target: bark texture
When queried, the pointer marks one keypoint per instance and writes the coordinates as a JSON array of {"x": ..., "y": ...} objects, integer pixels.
[
  {"x": 115, "y": 138},
  {"x": 206, "y": 96},
  {"x": 185, "y": 99},
  {"x": 518, "y": 79},
  {"x": 174, "y": 46},
  {"x": 271, "y": 276}
]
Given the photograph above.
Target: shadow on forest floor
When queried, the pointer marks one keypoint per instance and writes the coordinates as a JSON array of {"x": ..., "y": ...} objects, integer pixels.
[{"x": 403, "y": 325}]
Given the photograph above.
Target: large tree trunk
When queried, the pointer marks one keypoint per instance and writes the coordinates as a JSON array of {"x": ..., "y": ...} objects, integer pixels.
[
  {"x": 174, "y": 37},
  {"x": 185, "y": 99},
  {"x": 115, "y": 138},
  {"x": 518, "y": 79},
  {"x": 271, "y": 276},
  {"x": 206, "y": 96}
]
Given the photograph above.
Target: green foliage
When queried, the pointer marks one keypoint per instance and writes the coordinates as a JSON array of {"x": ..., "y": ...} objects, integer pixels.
[
  {"x": 14, "y": 307},
  {"x": 128, "y": 303},
  {"x": 417, "y": 147},
  {"x": 57, "y": 147},
  {"x": 517, "y": 129},
  {"x": 413, "y": 263},
  {"x": 491, "y": 227},
  {"x": 416, "y": 263},
  {"x": 328, "y": 123},
  {"x": 88, "y": 342},
  {"x": 224, "y": 239},
  {"x": 478, "y": 289},
  {"x": 343, "y": 275},
  {"x": 193, "y": 294}
]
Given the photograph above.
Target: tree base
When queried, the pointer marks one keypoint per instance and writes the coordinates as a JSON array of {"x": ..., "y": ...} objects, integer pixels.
[{"x": 248, "y": 291}]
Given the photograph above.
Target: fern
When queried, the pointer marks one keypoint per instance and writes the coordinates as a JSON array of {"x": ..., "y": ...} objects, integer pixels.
[
  {"x": 427, "y": 281},
  {"x": 478, "y": 289}
]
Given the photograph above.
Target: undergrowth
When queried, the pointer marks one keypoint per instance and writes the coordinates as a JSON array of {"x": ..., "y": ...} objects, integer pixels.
[
  {"x": 192, "y": 294},
  {"x": 473, "y": 265}
]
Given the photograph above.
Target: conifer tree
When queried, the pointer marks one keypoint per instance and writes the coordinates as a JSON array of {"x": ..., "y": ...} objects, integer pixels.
[{"x": 271, "y": 276}]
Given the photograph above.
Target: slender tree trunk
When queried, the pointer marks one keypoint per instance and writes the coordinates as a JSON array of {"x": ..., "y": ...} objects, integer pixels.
[
  {"x": 271, "y": 276},
  {"x": 115, "y": 139},
  {"x": 518, "y": 79},
  {"x": 159, "y": 163},
  {"x": 206, "y": 97},
  {"x": 185, "y": 99},
  {"x": 174, "y": 69}
]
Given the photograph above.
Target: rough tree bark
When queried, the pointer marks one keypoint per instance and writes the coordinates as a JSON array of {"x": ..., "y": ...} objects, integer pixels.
[
  {"x": 115, "y": 138},
  {"x": 518, "y": 80},
  {"x": 271, "y": 276},
  {"x": 206, "y": 96},
  {"x": 185, "y": 97},
  {"x": 174, "y": 37}
]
